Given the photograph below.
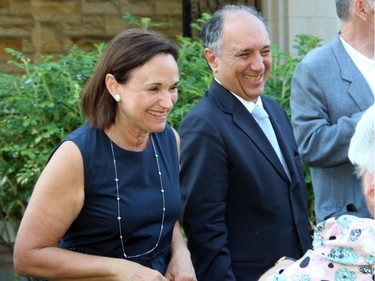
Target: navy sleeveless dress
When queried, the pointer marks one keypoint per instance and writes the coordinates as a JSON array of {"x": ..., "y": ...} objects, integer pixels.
[{"x": 96, "y": 231}]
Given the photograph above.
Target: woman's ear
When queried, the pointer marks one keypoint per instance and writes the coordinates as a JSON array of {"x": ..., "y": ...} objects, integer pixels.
[{"x": 111, "y": 84}]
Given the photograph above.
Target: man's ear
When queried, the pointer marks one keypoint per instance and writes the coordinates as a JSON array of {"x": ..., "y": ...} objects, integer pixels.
[
  {"x": 211, "y": 59},
  {"x": 361, "y": 8},
  {"x": 111, "y": 84},
  {"x": 369, "y": 191},
  {"x": 368, "y": 184}
]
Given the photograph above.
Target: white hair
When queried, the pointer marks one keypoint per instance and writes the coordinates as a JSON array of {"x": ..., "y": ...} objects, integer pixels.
[{"x": 362, "y": 145}]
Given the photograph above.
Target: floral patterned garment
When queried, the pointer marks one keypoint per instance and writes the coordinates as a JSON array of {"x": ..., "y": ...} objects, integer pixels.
[{"x": 344, "y": 250}]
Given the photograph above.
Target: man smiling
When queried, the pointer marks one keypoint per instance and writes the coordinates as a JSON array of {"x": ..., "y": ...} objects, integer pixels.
[{"x": 242, "y": 185}]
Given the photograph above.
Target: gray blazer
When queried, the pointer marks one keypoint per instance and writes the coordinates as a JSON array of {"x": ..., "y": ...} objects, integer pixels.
[{"x": 329, "y": 95}]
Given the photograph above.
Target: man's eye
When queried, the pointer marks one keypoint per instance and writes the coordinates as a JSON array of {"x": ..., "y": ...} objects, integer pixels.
[{"x": 266, "y": 52}]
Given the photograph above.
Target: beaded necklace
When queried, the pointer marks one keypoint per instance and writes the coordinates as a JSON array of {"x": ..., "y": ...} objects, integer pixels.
[{"x": 118, "y": 203}]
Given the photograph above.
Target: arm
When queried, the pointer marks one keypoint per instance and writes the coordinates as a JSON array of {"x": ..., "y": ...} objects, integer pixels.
[
  {"x": 178, "y": 142},
  {"x": 56, "y": 201},
  {"x": 204, "y": 186},
  {"x": 180, "y": 267},
  {"x": 322, "y": 139}
]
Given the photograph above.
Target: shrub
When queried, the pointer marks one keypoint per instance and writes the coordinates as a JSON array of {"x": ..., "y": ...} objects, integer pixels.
[{"x": 37, "y": 111}]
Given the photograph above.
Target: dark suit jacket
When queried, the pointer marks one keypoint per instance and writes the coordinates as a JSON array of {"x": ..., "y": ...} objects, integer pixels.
[{"x": 241, "y": 212}]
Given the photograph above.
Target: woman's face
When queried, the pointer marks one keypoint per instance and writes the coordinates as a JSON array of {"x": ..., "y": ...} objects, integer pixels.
[{"x": 149, "y": 95}]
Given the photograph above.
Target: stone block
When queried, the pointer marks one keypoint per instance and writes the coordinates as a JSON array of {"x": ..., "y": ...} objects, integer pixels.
[
  {"x": 101, "y": 7},
  {"x": 20, "y": 7},
  {"x": 27, "y": 45},
  {"x": 168, "y": 7},
  {"x": 141, "y": 8},
  {"x": 12, "y": 20},
  {"x": 38, "y": 27},
  {"x": 46, "y": 38},
  {"x": 114, "y": 26},
  {"x": 14, "y": 31},
  {"x": 4, "y": 7},
  {"x": 56, "y": 11},
  {"x": 89, "y": 27}
]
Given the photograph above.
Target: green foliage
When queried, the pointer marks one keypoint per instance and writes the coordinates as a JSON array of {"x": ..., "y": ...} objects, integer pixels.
[
  {"x": 37, "y": 111},
  {"x": 195, "y": 77},
  {"x": 198, "y": 25},
  {"x": 144, "y": 23},
  {"x": 195, "y": 74}
]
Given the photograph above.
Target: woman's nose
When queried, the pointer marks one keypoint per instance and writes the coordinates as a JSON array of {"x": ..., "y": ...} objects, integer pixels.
[{"x": 166, "y": 100}]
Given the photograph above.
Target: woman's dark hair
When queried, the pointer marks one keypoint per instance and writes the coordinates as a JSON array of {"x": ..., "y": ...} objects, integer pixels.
[{"x": 127, "y": 51}]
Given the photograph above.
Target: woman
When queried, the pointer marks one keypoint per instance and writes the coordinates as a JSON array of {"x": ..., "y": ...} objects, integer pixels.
[{"x": 107, "y": 204}]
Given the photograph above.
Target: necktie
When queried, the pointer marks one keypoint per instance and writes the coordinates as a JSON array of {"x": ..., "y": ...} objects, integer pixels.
[{"x": 261, "y": 116}]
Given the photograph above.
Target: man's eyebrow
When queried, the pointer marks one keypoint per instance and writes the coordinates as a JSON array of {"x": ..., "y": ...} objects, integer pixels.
[{"x": 242, "y": 51}]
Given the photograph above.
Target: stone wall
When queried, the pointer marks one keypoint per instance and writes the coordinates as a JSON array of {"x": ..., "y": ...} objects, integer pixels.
[{"x": 38, "y": 27}]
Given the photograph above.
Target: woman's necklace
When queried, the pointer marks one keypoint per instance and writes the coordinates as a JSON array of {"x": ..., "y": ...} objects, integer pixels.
[{"x": 118, "y": 203}]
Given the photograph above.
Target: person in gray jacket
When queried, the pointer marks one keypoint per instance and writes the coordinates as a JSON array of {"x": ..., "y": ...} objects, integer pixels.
[{"x": 331, "y": 88}]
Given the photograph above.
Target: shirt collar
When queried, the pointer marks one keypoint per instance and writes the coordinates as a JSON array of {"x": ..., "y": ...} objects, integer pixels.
[
  {"x": 248, "y": 104},
  {"x": 358, "y": 58}
]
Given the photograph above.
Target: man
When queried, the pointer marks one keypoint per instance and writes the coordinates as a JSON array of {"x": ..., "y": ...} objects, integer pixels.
[
  {"x": 245, "y": 203},
  {"x": 331, "y": 88},
  {"x": 344, "y": 247}
]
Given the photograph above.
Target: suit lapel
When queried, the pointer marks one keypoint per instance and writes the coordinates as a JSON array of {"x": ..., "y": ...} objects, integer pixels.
[
  {"x": 244, "y": 120},
  {"x": 359, "y": 89}
]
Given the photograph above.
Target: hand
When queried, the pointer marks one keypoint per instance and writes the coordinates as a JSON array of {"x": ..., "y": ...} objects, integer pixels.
[
  {"x": 137, "y": 272},
  {"x": 180, "y": 268}
]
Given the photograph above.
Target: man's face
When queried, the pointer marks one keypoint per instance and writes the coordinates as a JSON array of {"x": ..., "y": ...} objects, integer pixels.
[{"x": 245, "y": 61}]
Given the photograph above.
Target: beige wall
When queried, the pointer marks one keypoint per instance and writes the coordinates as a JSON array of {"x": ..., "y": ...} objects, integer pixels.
[
  {"x": 290, "y": 17},
  {"x": 51, "y": 26}
]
